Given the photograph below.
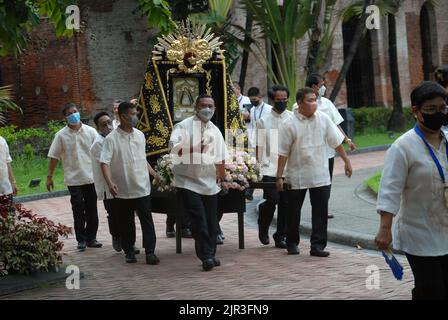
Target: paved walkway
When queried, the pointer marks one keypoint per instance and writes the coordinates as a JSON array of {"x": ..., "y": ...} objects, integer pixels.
[{"x": 257, "y": 272}]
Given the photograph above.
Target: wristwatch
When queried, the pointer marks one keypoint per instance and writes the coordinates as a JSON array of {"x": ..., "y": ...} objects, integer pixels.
[{"x": 347, "y": 140}]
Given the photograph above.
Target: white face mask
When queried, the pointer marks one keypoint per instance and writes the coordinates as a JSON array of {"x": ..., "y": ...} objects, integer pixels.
[
  {"x": 322, "y": 91},
  {"x": 205, "y": 114}
]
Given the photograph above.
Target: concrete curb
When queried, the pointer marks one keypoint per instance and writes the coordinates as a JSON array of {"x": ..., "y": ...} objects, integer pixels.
[
  {"x": 41, "y": 196},
  {"x": 368, "y": 149},
  {"x": 344, "y": 237}
]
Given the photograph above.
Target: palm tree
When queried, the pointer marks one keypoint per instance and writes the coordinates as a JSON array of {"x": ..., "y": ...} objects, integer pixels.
[
  {"x": 360, "y": 29},
  {"x": 397, "y": 121},
  {"x": 282, "y": 26},
  {"x": 6, "y": 103}
]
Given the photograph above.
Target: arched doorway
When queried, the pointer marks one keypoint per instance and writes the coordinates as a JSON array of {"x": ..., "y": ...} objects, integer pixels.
[
  {"x": 360, "y": 77},
  {"x": 428, "y": 34}
]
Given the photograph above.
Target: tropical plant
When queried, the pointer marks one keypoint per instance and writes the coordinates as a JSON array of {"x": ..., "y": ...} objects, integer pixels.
[
  {"x": 28, "y": 243},
  {"x": 234, "y": 37},
  {"x": 283, "y": 26},
  {"x": 19, "y": 17},
  {"x": 158, "y": 13},
  {"x": 6, "y": 102}
]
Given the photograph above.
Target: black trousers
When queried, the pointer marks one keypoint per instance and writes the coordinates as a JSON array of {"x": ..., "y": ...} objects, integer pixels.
[
  {"x": 171, "y": 221},
  {"x": 430, "y": 277},
  {"x": 267, "y": 209},
  {"x": 112, "y": 217},
  {"x": 203, "y": 214},
  {"x": 85, "y": 212},
  {"x": 126, "y": 209},
  {"x": 319, "y": 216}
]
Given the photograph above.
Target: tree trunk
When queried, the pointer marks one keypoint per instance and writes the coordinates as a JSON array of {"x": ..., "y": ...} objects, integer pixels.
[
  {"x": 360, "y": 27},
  {"x": 245, "y": 60},
  {"x": 313, "y": 50},
  {"x": 397, "y": 120}
]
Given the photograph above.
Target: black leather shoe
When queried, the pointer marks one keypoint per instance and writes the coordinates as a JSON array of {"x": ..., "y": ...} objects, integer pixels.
[
  {"x": 264, "y": 238},
  {"x": 136, "y": 250},
  {"x": 81, "y": 246},
  {"x": 208, "y": 264},
  {"x": 330, "y": 216},
  {"x": 281, "y": 244},
  {"x": 217, "y": 262},
  {"x": 152, "y": 259},
  {"x": 116, "y": 244},
  {"x": 130, "y": 257},
  {"x": 249, "y": 197},
  {"x": 319, "y": 253},
  {"x": 219, "y": 239},
  {"x": 94, "y": 244},
  {"x": 186, "y": 233},
  {"x": 293, "y": 249}
]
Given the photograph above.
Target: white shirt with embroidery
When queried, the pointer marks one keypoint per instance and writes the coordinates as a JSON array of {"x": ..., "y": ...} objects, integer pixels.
[
  {"x": 197, "y": 172},
  {"x": 304, "y": 141},
  {"x": 412, "y": 190},
  {"x": 102, "y": 190},
  {"x": 125, "y": 154},
  {"x": 326, "y": 106},
  {"x": 72, "y": 147},
  {"x": 268, "y": 139}
]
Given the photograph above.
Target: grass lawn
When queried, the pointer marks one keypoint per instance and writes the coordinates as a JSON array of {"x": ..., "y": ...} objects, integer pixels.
[
  {"x": 374, "y": 182},
  {"x": 35, "y": 168},
  {"x": 374, "y": 139}
]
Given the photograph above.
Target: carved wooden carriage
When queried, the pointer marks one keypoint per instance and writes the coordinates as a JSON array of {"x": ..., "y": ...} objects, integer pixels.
[{"x": 185, "y": 64}]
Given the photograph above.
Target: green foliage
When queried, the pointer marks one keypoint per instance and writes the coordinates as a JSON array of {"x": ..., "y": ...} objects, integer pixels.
[
  {"x": 6, "y": 102},
  {"x": 18, "y": 17},
  {"x": 219, "y": 20},
  {"x": 283, "y": 27},
  {"x": 30, "y": 141},
  {"x": 158, "y": 14},
  {"x": 28, "y": 243},
  {"x": 374, "y": 119}
]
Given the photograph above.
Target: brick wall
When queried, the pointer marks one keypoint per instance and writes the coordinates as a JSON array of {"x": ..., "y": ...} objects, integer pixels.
[
  {"x": 106, "y": 60},
  {"x": 47, "y": 76}
]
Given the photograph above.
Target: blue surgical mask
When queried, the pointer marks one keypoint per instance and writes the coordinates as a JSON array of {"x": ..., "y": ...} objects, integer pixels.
[{"x": 74, "y": 118}]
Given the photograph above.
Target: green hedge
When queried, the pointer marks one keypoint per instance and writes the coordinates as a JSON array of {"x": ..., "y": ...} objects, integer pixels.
[
  {"x": 374, "y": 119},
  {"x": 30, "y": 141}
]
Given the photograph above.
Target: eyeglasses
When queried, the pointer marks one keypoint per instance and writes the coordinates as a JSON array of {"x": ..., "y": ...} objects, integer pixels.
[{"x": 432, "y": 109}]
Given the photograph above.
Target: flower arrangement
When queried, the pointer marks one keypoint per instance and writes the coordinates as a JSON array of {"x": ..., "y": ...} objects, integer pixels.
[
  {"x": 241, "y": 168},
  {"x": 164, "y": 179}
]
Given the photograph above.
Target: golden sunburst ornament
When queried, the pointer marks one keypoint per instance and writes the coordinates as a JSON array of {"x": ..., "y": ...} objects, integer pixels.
[{"x": 190, "y": 46}]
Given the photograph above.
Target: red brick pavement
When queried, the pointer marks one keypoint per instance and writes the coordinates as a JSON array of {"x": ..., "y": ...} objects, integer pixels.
[{"x": 257, "y": 272}]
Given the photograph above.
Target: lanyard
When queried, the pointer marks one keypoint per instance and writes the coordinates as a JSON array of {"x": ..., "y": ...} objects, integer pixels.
[
  {"x": 431, "y": 152},
  {"x": 259, "y": 114},
  {"x": 240, "y": 98}
]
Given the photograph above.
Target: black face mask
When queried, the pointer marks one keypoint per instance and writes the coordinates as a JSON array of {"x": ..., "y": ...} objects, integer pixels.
[
  {"x": 280, "y": 105},
  {"x": 255, "y": 103},
  {"x": 435, "y": 121}
]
